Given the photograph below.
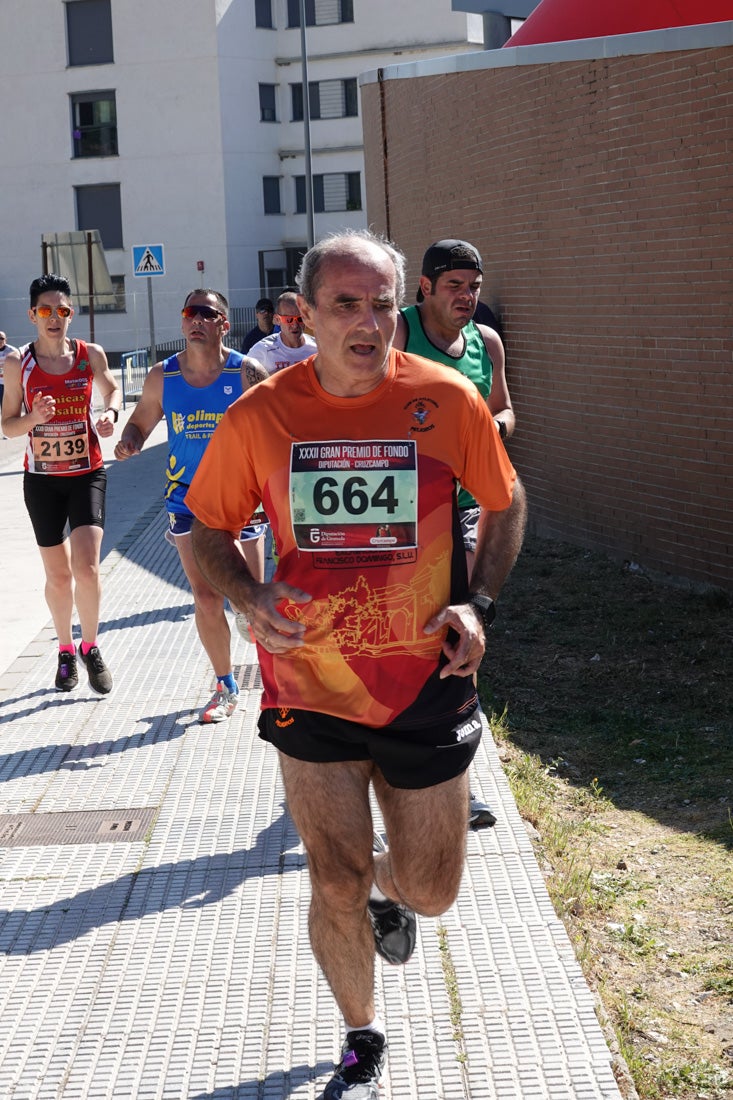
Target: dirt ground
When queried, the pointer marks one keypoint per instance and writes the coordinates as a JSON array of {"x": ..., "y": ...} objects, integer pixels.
[{"x": 612, "y": 701}]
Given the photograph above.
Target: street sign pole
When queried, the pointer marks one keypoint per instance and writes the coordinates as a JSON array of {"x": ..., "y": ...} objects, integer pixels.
[
  {"x": 148, "y": 262},
  {"x": 90, "y": 282},
  {"x": 310, "y": 222},
  {"x": 151, "y": 322}
]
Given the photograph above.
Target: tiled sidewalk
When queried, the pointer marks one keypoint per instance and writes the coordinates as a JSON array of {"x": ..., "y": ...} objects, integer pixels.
[{"x": 153, "y": 935}]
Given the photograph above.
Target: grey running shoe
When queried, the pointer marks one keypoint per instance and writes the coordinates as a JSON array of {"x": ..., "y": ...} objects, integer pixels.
[
  {"x": 221, "y": 706},
  {"x": 67, "y": 676},
  {"x": 479, "y": 814},
  {"x": 100, "y": 677},
  {"x": 395, "y": 930},
  {"x": 242, "y": 624},
  {"x": 394, "y": 926},
  {"x": 362, "y": 1061}
]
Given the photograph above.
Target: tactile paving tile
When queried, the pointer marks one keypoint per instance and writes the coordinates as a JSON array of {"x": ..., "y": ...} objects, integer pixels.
[{"x": 179, "y": 967}]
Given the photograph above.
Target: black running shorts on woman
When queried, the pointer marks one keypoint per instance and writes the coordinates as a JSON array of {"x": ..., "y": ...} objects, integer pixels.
[{"x": 54, "y": 501}]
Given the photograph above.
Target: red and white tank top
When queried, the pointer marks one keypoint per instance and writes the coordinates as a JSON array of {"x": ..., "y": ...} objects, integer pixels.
[{"x": 67, "y": 444}]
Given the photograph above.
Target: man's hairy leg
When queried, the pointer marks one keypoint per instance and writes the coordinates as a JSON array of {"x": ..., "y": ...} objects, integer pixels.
[
  {"x": 426, "y": 835},
  {"x": 253, "y": 552},
  {"x": 329, "y": 804},
  {"x": 211, "y": 622}
]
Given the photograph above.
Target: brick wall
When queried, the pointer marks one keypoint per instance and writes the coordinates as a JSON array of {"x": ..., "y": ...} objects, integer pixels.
[{"x": 600, "y": 195}]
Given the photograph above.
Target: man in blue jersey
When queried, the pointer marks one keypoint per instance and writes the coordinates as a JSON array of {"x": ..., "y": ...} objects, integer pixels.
[{"x": 192, "y": 390}]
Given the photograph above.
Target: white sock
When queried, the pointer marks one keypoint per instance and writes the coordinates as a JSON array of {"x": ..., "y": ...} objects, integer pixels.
[
  {"x": 377, "y": 1025},
  {"x": 375, "y": 894}
]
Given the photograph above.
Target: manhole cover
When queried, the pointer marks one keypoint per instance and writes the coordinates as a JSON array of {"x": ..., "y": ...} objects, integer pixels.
[{"x": 75, "y": 827}]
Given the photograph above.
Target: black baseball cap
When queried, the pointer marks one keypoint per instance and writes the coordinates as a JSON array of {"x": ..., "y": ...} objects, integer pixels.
[
  {"x": 449, "y": 255},
  {"x": 264, "y": 305}
]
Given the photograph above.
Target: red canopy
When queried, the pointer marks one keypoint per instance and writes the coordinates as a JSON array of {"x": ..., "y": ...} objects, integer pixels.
[{"x": 560, "y": 20}]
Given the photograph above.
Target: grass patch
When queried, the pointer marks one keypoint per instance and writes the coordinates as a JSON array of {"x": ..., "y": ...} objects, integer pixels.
[
  {"x": 454, "y": 996},
  {"x": 610, "y": 695}
]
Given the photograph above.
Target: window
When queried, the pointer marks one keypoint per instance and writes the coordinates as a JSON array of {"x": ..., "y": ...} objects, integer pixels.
[
  {"x": 276, "y": 282},
  {"x": 331, "y": 191},
  {"x": 296, "y": 100},
  {"x": 263, "y": 13},
  {"x": 294, "y": 13},
  {"x": 98, "y": 206},
  {"x": 327, "y": 98},
  {"x": 268, "y": 112},
  {"x": 105, "y": 303},
  {"x": 271, "y": 194},
  {"x": 89, "y": 32},
  {"x": 94, "y": 124},
  {"x": 351, "y": 98},
  {"x": 279, "y": 268},
  {"x": 319, "y": 13}
]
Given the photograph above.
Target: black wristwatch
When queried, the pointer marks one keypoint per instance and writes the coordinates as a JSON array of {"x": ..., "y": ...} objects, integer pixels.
[
  {"x": 484, "y": 607},
  {"x": 115, "y": 413},
  {"x": 500, "y": 424}
]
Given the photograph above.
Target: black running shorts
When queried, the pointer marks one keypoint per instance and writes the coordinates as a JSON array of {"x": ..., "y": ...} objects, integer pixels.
[
  {"x": 409, "y": 758},
  {"x": 53, "y": 501},
  {"x": 469, "y": 518}
]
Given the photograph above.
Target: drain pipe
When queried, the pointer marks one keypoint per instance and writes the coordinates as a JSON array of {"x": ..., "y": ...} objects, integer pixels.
[
  {"x": 497, "y": 30},
  {"x": 385, "y": 152}
]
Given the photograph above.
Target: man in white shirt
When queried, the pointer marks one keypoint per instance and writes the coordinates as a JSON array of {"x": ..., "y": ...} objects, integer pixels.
[{"x": 290, "y": 344}]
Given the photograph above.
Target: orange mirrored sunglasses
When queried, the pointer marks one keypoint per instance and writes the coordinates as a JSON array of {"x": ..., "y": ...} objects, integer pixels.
[{"x": 48, "y": 311}]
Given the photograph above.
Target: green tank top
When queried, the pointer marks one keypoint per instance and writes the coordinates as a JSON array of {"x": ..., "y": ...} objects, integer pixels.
[{"x": 475, "y": 363}]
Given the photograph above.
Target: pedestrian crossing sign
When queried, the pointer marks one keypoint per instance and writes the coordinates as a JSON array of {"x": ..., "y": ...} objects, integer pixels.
[{"x": 147, "y": 259}]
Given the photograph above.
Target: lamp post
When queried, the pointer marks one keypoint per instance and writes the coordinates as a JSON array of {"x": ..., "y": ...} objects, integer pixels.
[{"x": 310, "y": 228}]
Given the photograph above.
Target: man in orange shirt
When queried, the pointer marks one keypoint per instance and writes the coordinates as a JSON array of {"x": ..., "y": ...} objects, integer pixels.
[{"x": 367, "y": 643}]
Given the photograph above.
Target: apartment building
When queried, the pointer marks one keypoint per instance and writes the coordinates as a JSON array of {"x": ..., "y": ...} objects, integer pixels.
[{"x": 180, "y": 123}]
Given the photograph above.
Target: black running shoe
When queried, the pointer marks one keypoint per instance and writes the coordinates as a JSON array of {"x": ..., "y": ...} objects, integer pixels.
[
  {"x": 67, "y": 676},
  {"x": 100, "y": 677},
  {"x": 479, "y": 814},
  {"x": 394, "y": 926},
  {"x": 362, "y": 1061},
  {"x": 395, "y": 930}
]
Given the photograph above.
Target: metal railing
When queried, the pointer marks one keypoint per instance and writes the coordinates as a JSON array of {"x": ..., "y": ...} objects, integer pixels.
[{"x": 134, "y": 366}]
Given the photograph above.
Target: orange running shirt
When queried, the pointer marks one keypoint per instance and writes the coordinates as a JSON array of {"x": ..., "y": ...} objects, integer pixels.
[{"x": 361, "y": 495}]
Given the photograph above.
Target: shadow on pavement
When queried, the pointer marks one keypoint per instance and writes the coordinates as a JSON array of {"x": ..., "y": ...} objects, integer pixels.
[
  {"x": 52, "y": 757},
  {"x": 280, "y": 1084},
  {"x": 187, "y": 884}
]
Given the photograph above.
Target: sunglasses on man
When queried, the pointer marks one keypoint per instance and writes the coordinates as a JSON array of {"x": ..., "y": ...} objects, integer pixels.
[
  {"x": 285, "y": 319},
  {"x": 207, "y": 312},
  {"x": 48, "y": 311}
]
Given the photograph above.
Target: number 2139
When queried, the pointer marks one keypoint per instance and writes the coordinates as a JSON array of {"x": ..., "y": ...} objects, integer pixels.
[{"x": 62, "y": 448}]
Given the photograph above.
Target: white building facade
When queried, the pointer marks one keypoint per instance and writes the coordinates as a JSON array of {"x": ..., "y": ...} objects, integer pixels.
[{"x": 180, "y": 122}]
